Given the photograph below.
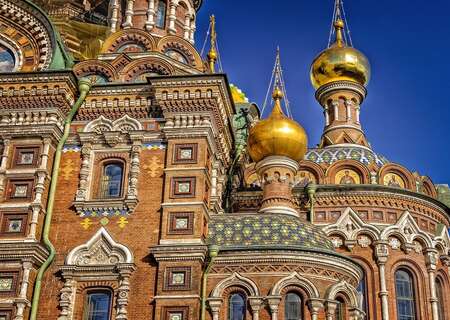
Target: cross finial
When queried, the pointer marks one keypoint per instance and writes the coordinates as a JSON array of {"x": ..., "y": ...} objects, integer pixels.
[{"x": 212, "y": 54}]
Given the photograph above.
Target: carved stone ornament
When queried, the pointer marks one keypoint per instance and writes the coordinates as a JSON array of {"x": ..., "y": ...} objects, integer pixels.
[
  {"x": 106, "y": 259},
  {"x": 95, "y": 135}
]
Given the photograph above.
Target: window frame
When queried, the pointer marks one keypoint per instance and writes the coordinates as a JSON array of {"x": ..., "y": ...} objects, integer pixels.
[
  {"x": 161, "y": 26},
  {"x": 15, "y": 281},
  {"x": 178, "y": 287},
  {"x": 440, "y": 296},
  {"x": 413, "y": 289},
  {"x": 94, "y": 291},
  {"x": 7, "y": 216},
  {"x": 230, "y": 304},
  {"x": 100, "y": 193},
  {"x": 18, "y": 150},
  {"x": 300, "y": 306},
  {"x": 168, "y": 310},
  {"x": 173, "y": 216},
  {"x": 6, "y": 312},
  {"x": 177, "y": 153},
  {"x": 12, "y": 185},
  {"x": 174, "y": 187}
]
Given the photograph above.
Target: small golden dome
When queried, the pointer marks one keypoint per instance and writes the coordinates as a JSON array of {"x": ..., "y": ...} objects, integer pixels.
[
  {"x": 340, "y": 63},
  {"x": 277, "y": 135}
]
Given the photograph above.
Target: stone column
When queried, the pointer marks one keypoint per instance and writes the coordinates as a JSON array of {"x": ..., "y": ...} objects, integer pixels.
[
  {"x": 431, "y": 262},
  {"x": 86, "y": 152},
  {"x": 214, "y": 305},
  {"x": 277, "y": 174},
  {"x": 150, "y": 23},
  {"x": 129, "y": 15},
  {"x": 274, "y": 303},
  {"x": 123, "y": 291},
  {"x": 23, "y": 301},
  {"x": 45, "y": 154},
  {"x": 335, "y": 105},
  {"x": 187, "y": 27},
  {"x": 348, "y": 106},
  {"x": 330, "y": 309},
  {"x": 327, "y": 115},
  {"x": 193, "y": 28},
  {"x": 315, "y": 305},
  {"x": 4, "y": 163},
  {"x": 255, "y": 305},
  {"x": 134, "y": 170},
  {"x": 66, "y": 298},
  {"x": 172, "y": 17},
  {"x": 114, "y": 15},
  {"x": 382, "y": 254},
  {"x": 358, "y": 112}
]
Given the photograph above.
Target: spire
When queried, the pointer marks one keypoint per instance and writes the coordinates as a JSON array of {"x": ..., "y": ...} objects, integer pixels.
[
  {"x": 278, "y": 88},
  {"x": 339, "y": 27},
  {"x": 212, "y": 54}
]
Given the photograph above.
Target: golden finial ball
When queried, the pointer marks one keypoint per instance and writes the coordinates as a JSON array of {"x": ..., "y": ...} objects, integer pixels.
[
  {"x": 340, "y": 63},
  {"x": 277, "y": 94},
  {"x": 339, "y": 24},
  {"x": 277, "y": 135}
]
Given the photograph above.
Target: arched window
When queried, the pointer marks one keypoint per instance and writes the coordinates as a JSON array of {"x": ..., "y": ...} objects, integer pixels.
[
  {"x": 98, "y": 305},
  {"x": 440, "y": 298},
  {"x": 161, "y": 14},
  {"x": 237, "y": 307},
  {"x": 293, "y": 307},
  {"x": 405, "y": 295},
  {"x": 340, "y": 309},
  {"x": 111, "y": 182}
]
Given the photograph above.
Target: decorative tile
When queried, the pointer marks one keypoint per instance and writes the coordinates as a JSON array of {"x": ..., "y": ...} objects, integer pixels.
[
  {"x": 68, "y": 169},
  {"x": 21, "y": 191},
  {"x": 154, "y": 167},
  {"x": 6, "y": 284},
  {"x": 243, "y": 231}
]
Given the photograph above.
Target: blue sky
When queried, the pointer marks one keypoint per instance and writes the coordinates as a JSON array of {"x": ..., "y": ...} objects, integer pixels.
[{"x": 407, "y": 112}]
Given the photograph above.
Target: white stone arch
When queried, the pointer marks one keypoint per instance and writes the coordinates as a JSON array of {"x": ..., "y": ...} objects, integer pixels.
[
  {"x": 345, "y": 288},
  {"x": 100, "y": 258},
  {"x": 442, "y": 238},
  {"x": 99, "y": 125},
  {"x": 101, "y": 249},
  {"x": 126, "y": 124},
  {"x": 294, "y": 279},
  {"x": 407, "y": 229},
  {"x": 350, "y": 225},
  {"x": 235, "y": 280}
]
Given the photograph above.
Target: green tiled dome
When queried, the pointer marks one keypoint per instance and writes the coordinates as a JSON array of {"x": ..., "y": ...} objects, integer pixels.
[{"x": 266, "y": 231}]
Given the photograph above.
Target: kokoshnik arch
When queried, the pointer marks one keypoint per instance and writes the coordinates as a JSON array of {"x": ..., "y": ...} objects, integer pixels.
[{"x": 137, "y": 183}]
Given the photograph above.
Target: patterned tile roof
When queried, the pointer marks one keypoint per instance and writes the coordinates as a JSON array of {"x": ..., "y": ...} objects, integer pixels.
[
  {"x": 330, "y": 155},
  {"x": 265, "y": 231}
]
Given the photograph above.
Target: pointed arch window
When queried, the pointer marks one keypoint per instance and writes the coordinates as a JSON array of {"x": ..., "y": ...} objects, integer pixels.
[
  {"x": 293, "y": 307},
  {"x": 440, "y": 298},
  {"x": 111, "y": 181},
  {"x": 237, "y": 307},
  {"x": 98, "y": 305},
  {"x": 404, "y": 288},
  {"x": 161, "y": 14}
]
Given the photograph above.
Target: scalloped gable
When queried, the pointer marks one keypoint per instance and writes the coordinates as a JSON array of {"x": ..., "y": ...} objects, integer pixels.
[{"x": 101, "y": 249}]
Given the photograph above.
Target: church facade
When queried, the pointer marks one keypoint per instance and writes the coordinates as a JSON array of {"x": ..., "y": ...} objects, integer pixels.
[{"x": 138, "y": 183}]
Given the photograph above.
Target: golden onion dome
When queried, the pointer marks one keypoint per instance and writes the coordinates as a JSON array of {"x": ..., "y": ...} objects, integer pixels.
[
  {"x": 340, "y": 63},
  {"x": 277, "y": 135}
]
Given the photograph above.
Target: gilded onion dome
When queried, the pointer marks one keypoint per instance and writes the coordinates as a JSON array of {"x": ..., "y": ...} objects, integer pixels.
[
  {"x": 340, "y": 63},
  {"x": 277, "y": 135}
]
